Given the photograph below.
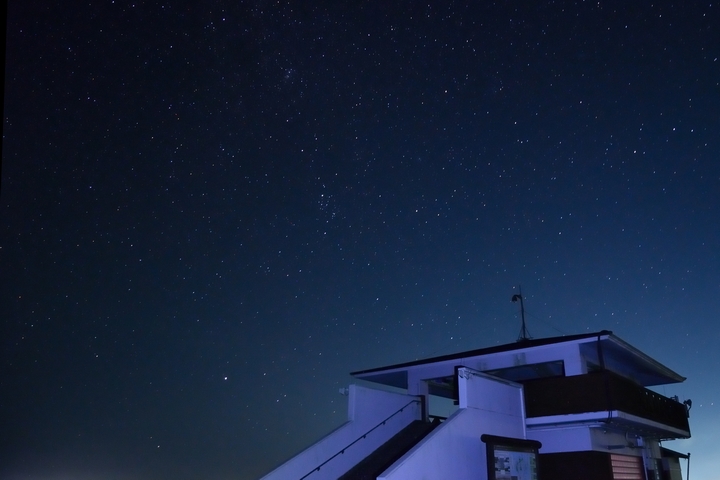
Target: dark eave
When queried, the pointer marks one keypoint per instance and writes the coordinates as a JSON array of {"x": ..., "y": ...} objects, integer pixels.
[
  {"x": 666, "y": 452},
  {"x": 519, "y": 345},
  {"x": 601, "y": 349}
]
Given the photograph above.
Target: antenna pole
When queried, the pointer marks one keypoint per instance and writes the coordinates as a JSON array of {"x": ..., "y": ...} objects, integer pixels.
[{"x": 524, "y": 335}]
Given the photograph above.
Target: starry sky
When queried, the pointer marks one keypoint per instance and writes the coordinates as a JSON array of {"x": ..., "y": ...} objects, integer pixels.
[{"x": 213, "y": 211}]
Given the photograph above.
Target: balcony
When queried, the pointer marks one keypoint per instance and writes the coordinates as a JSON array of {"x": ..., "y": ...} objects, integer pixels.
[{"x": 604, "y": 392}]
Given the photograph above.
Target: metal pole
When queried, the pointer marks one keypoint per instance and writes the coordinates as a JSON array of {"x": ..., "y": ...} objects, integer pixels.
[
  {"x": 524, "y": 335},
  {"x": 524, "y": 332}
]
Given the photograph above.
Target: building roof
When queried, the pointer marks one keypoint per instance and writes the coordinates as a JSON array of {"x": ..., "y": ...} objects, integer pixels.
[
  {"x": 666, "y": 452},
  {"x": 602, "y": 349}
]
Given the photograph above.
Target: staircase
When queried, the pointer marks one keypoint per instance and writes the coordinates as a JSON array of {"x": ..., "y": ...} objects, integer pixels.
[{"x": 388, "y": 453}]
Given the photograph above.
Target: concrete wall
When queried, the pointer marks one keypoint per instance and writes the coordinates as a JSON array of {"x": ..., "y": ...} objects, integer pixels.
[
  {"x": 366, "y": 409},
  {"x": 566, "y": 439},
  {"x": 581, "y": 438},
  {"x": 569, "y": 353},
  {"x": 454, "y": 449}
]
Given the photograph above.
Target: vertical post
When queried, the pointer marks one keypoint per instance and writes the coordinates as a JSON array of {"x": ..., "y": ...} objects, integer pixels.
[
  {"x": 424, "y": 392},
  {"x": 419, "y": 387},
  {"x": 524, "y": 335}
]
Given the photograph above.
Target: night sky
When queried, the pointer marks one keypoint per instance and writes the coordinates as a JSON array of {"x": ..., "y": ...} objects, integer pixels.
[{"x": 212, "y": 211}]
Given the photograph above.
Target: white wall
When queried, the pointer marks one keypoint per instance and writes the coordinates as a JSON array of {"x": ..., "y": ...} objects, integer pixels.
[
  {"x": 366, "y": 408},
  {"x": 454, "y": 449},
  {"x": 584, "y": 438},
  {"x": 485, "y": 392},
  {"x": 605, "y": 440},
  {"x": 569, "y": 353},
  {"x": 565, "y": 439}
]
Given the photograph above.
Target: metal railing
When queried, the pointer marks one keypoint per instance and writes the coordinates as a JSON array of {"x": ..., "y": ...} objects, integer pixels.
[
  {"x": 361, "y": 437},
  {"x": 601, "y": 391}
]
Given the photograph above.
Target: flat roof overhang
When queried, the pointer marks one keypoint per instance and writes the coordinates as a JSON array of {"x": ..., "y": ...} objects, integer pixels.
[
  {"x": 613, "y": 418},
  {"x": 600, "y": 348}
]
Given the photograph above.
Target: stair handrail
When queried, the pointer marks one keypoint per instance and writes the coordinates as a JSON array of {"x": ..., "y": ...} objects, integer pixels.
[{"x": 361, "y": 437}]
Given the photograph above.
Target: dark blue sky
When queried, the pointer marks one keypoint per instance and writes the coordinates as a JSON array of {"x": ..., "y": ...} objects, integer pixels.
[{"x": 213, "y": 211}]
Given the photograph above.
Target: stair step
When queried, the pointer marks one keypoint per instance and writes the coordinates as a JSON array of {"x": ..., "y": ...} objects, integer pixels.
[{"x": 389, "y": 452}]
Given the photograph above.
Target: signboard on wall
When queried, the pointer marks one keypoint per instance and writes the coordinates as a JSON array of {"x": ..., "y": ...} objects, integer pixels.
[{"x": 511, "y": 458}]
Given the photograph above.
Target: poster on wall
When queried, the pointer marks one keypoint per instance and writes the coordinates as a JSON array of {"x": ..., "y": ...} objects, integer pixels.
[
  {"x": 511, "y": 458},
  {"x": 511, "y": 464}
]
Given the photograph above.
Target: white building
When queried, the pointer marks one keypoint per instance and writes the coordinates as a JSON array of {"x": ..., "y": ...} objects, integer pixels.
[{"x": 573, "y": 407}]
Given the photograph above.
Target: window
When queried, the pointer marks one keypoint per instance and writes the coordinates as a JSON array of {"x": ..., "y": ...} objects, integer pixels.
[{"x": 625, "y": 467}]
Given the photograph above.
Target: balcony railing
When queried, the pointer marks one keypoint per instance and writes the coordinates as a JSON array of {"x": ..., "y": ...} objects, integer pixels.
[{"x": 601, "y": 391}]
